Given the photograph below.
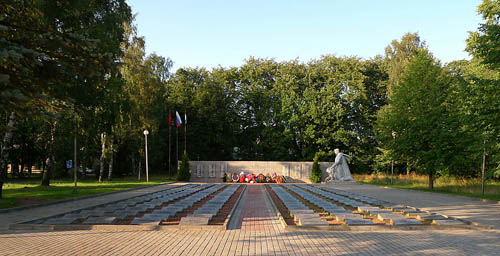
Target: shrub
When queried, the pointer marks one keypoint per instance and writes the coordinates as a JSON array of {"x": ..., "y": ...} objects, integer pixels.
[
  {"x": 316, "y": 173},
  {"x": 184, "y": 173}
]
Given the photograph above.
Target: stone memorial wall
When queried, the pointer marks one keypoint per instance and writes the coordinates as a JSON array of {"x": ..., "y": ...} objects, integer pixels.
[{"x": 213, "y": 171}]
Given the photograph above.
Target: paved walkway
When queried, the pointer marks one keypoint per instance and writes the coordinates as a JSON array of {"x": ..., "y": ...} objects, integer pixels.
[
  {"x": 256, "y": 214},
  {"x": 45, "y": 211},
  {"x": 256, "y": 237},
  {"x": 466, "y": 208},
  {"x": 240, "y": 242}
]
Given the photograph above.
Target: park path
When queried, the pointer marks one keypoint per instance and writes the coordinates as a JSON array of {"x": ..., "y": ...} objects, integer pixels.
[
  {"x": 37, "y": 212},
  {"x": 256, "y": 213}
]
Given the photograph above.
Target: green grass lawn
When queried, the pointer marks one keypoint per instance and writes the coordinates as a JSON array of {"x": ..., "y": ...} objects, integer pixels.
[
  {"x": 16, "y": 193},
  {"x": 447, "y": 185}
]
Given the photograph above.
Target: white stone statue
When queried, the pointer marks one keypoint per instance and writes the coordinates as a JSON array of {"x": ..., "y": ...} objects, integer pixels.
[{"x": 339, "y": 170}]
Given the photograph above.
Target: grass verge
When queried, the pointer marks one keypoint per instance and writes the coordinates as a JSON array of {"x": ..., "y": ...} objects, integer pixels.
[
  {"x": 446, "y": 185},
  {"x": 29, "y": 192}
]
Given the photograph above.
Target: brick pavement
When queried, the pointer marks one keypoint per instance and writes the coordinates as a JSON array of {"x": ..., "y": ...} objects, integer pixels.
[
  {"x": 255, "y": 214},
  {"x": 260, "y": 234},
  {"x": 242, "y": 242}
]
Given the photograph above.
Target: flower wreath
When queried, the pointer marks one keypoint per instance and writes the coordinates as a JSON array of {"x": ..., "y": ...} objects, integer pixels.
[{"x": 235, "y": 177}]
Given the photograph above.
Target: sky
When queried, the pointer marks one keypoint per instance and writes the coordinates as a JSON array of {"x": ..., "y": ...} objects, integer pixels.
[{"x": 213, "y": 33}]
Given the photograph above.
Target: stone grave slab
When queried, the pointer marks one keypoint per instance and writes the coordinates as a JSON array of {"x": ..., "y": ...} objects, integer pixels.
[
  {"x": 312, "y": 222},
  {"x": 447, "y": 222},
  {"x": 341, "y": 217},
  {"x": 415, "y": 213},
  {"x": 60, "y": 221},
  {"x": 195, "y": 220},
  {"x": 368, "y": 208},
  {"x": 145, "y": 221},
  {"x": 405, "y": 222},
  {"x": 340, "y": 211},
  {"x": 358, "y": 222},
  {"x": 431, "y": 217},
  {"x": 100, "y": 220},
  {"x": 389, "y": 216}
]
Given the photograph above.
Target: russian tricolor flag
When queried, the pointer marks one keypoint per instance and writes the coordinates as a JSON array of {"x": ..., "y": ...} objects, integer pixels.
[{"x": 178, "y": 119}]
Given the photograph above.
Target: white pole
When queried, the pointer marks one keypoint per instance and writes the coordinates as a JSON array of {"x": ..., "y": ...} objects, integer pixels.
[
  {"x": 147, "y": 170},
  {"x": 75, "y": 152}
]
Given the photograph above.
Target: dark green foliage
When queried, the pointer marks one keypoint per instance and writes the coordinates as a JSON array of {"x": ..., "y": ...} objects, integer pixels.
[
  {"x": 184, "y": 173},
  {"x": 316, "y": 173}
]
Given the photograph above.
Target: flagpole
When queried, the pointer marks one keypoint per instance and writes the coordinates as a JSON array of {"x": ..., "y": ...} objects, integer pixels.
[
  {"x": 169, "y": 147},
  {"x": 185, "y": 132},
  {"x": 177, "y": 147}
]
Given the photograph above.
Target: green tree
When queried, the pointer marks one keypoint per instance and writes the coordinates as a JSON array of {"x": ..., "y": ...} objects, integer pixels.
[
  {"x": 425, "y": 127},
  {"x": 483, "y": 80},
  {"x": 184, "y": 173},
  {"x": 316, "y": 173},
  {"x": 399, "y": 53}
]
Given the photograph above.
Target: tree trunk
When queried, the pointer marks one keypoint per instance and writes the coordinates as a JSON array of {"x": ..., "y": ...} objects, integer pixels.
[
  {"x": 110, "y": 171},
  {"x": 14, "y": 168},
  {"x": 84, "y": 166},
  {"x": 6, "y": 148},
  {"x": 134, "y": 169},
  {"x": 50, "y": 159},
  {"x": 139, "y": 170},
  {"x": 30, "y": 168},
  {"x": 21, "y": 172},
  {"x": 101, "y": 159},
  {"x": 431, "y": 181}
]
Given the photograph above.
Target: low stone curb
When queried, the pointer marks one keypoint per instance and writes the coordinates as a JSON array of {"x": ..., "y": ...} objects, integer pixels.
[
  {"x": 231, "y": 214},
  {"x": 21, "y": 208},
  {"x": 274, "y": 208}
]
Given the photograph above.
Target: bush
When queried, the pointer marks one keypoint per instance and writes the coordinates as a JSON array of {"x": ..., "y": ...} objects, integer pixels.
[
  {"x": 184, "y": 173},
  {"x": 316, "y": 173}
]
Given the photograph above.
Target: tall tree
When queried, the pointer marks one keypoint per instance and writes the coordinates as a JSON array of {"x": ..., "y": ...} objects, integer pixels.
[
  {"x": 399, "y": 53},
  {"x": 484, "y": 86},
  {"x": 424, "y": 126}
]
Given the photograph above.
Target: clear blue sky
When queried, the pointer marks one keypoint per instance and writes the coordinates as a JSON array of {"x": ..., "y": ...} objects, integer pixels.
[{"x": 209, "y": 33}]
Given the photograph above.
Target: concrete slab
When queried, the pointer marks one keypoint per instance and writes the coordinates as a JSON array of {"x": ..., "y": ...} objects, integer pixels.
[
  {"x": 405, "y": 222},
  {"x": 142, "y": 221},
  {"x": 99, "y": 220},
  {"x": 59, "y": 221},
  {"x": 194, "y": 220},
  {"x": 431, "y": 217},
  {"x": 448, "y": 222},
  {"x": 355, "y": 222}
]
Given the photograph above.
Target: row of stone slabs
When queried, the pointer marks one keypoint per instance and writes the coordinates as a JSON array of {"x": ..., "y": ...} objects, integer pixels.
[
  {"x": 395, "y": 215},
  {"x": 110, "y": 213}
]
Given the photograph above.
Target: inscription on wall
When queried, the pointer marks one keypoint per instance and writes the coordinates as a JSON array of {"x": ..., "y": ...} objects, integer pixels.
[{"x": 213, "y": 171}]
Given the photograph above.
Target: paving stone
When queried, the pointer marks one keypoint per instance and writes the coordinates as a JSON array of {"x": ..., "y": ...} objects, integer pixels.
[{"x": 100, "y": 220}]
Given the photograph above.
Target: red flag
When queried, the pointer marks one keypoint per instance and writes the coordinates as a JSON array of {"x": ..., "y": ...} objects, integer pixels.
[{"x": 169, "y": 119}]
